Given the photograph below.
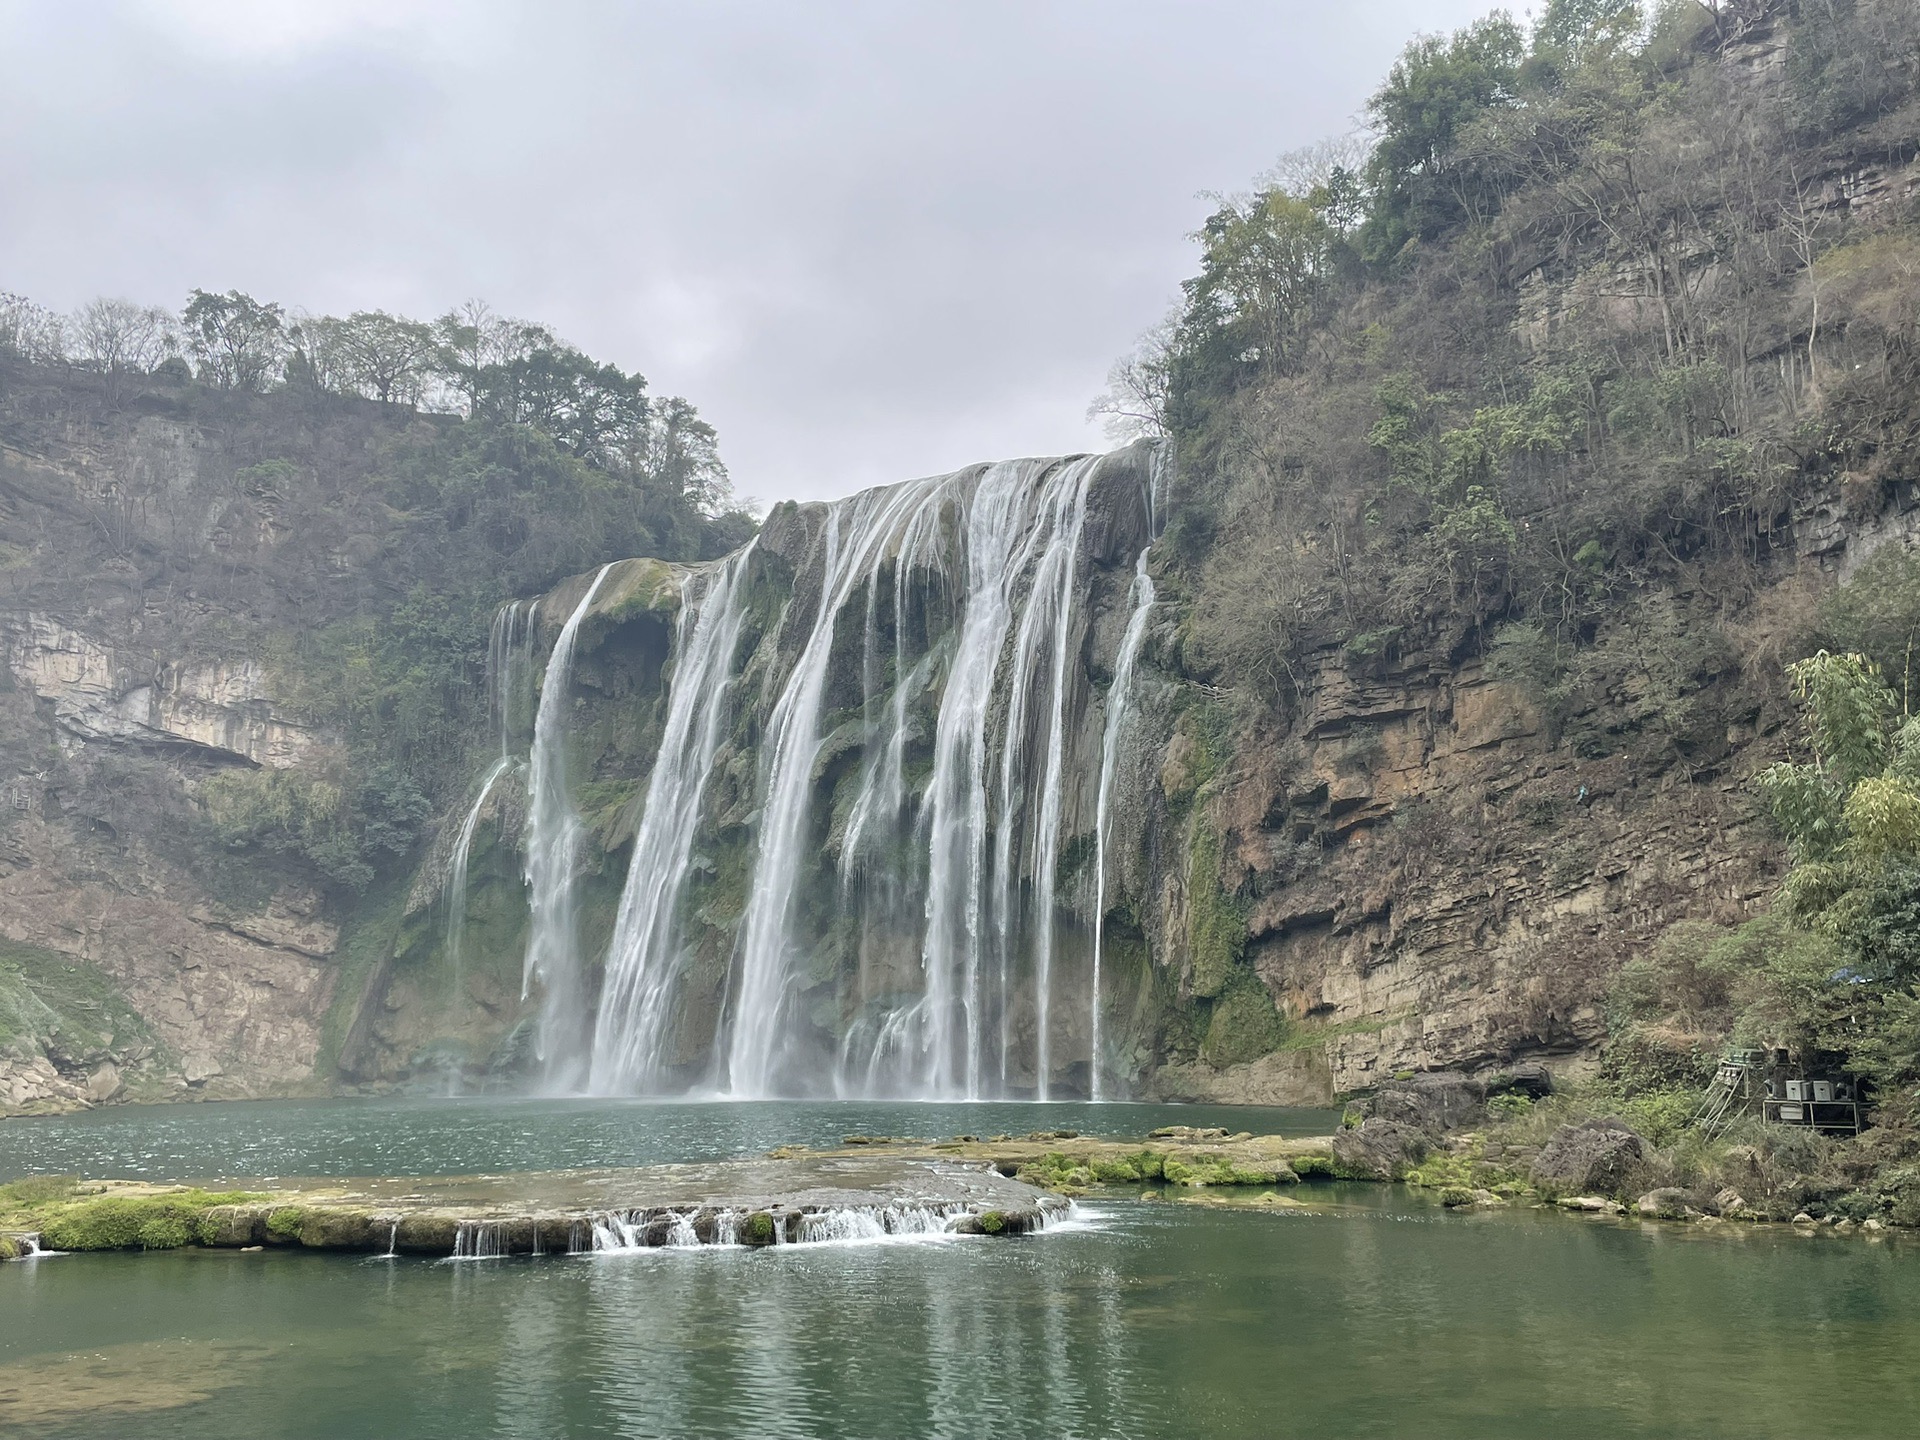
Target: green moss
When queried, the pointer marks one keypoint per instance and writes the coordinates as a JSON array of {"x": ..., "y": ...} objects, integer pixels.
[
  {"x": 992, "y": 1222},
  {"x": 1216, "y": 921},
  {"x": 1244, "y": 1023},
  {"x": 1443, "y": 1169},
  {"x": 1455, "y": 1196},
  {"x": 129, "y": 1222},
  {"x": 758, "y": 1229},
  {"x": 366, "y": 943},
  {"x": 1315, "y": 1164},
  {"x": 51, "y": 999},
  {"x": 286, "y": 1222}
]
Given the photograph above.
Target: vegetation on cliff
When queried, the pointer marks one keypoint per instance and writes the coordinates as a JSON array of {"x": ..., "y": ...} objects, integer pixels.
[
  {"x": 1554, "y": 375},
  {"x": 377, "y": 487}
]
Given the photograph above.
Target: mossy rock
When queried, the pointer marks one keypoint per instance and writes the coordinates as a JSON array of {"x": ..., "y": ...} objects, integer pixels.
[
  {"x": 10, "y": 1248},
  {"x": 1314, "y": 1164},
  {"x": 1456, "y": 1196},
  {"x": 757, "y": 1229},
  {"x": 130, "y": 1222}
]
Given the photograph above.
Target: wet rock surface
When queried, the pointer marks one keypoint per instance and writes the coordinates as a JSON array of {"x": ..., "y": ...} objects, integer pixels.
[{"x": 750, "y": 1202}]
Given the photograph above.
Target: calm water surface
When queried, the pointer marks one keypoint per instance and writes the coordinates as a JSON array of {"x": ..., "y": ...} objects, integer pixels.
[
  {"x": 1378, "y": 1314},
  {"x": 464, "y": 1137}
]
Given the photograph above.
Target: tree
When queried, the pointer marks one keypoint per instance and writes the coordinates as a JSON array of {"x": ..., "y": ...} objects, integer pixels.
[
  {"x": 682, "y": 458},
  {"x": 118, "y": 337},
  {"x": 593, "y": 410},
  {"x": 31, "y": 331},
  {"x": 1139, "y": 386},
  {"x": 473, "y": 340},
  {"x": 1437, "y": 87},
  {"x": 371, "y": 353},
  {"x": 238, "y": 342}
]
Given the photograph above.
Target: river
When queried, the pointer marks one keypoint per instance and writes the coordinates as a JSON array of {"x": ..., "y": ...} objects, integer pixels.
[{"x": 1370, "y": 1312}]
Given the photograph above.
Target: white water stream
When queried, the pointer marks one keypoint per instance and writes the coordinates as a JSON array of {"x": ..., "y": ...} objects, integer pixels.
[
  {"x": 647, "y": 955},
  {"x": 1119, "y": 697},
  {"x": 552, "y": 962}
]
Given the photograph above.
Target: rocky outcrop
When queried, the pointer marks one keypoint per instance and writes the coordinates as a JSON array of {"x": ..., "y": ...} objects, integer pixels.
[
  {"x": 100, "y": 693},
  {"x": 1378, "y": 1149},
  {"x": 1600, "y": 1157}
]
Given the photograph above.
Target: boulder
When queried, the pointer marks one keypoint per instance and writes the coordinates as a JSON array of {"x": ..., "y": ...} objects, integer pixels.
[
  {"x": 1666, "y": 1203},
  {"x": 1378, "y": 1150},
  {"x": 1728, "y": 1201},
  {"x": 1593, "y": 1157},
  {"x": 1434, "y": 1102},
  {"x": 1591, "y": 1204}
]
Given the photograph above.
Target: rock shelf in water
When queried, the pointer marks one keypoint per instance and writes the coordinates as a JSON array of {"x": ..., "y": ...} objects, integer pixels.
[{"x": 749, "y": 1202}]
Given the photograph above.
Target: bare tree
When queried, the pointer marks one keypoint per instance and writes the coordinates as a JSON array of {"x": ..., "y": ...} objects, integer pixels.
[
  {"x": 1135, "y": 400},
  {"x": 31, "y": 331},
  {"x": 119, "y": 337}
]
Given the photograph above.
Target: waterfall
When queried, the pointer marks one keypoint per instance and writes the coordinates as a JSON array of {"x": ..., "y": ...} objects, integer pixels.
[
  {"x": 553, "y": 846},
  {"x": 860, "y": 533},
  {"x": 646, "y": 958},
  {"x": 506, "y": 659},
  {"x": 1118, "y": 694},
  {"x": 896, "y": 770}
]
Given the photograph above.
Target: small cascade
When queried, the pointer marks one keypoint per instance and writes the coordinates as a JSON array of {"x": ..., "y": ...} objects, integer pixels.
[
  {"x": 480, "y": 1240},
  {"x": 29, "y": 1244},
  {"x": 646, "y": 956},
  {"x": 1118, "y": 696},
  {"x": 508, "y": 657},
  {"x": 553, "y": 847},
  {"x": 392, "y": 1252},
  {"x": 627, "y": 1232},
  {"x": 855, "y": 1223}
]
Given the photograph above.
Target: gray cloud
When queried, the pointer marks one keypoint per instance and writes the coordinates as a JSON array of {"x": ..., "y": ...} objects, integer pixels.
[{"x": 867, "y": 239}]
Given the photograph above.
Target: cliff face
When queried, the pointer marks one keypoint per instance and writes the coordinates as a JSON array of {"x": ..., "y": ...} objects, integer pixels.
[
  {"x": 1439, "y": 860},
  {"x": 1436, "y": 860},
  {"x": 136, "y": 959}
]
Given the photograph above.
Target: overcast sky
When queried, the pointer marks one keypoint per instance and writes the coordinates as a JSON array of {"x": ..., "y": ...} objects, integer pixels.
[{"x": 867, "y": 240}]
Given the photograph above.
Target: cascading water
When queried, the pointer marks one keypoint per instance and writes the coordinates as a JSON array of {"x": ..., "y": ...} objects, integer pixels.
[
  {"x": 646, "y": 958},
  {"x": 1118, "y": 696},
  {"x": 507, "y": 659},
  {"x": 553, "y": 849},
  {"x": 876, "y": 795}
]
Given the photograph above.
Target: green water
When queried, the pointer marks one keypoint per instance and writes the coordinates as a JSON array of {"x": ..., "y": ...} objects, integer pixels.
[{"x": 1374, "y": 1314}]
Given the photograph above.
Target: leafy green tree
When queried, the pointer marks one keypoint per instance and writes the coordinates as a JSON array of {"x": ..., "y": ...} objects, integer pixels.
[
  {"x": 237, "y": 342},
  {"x": 1439, "y": 86},
  {"x": 1852, "y": 815}
]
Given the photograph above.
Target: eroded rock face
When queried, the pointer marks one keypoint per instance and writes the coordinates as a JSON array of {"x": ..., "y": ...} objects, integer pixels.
[
  {"x": 1433, "y": 1103},
  {"x": 1594, "y": 1157},
  {"x": 1378, "y": 1150},
  {"x": 100, "y": 693}
]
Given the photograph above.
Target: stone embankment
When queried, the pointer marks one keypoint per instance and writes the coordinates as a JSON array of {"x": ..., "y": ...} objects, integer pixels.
[{"x": 750, "y": 1203}]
